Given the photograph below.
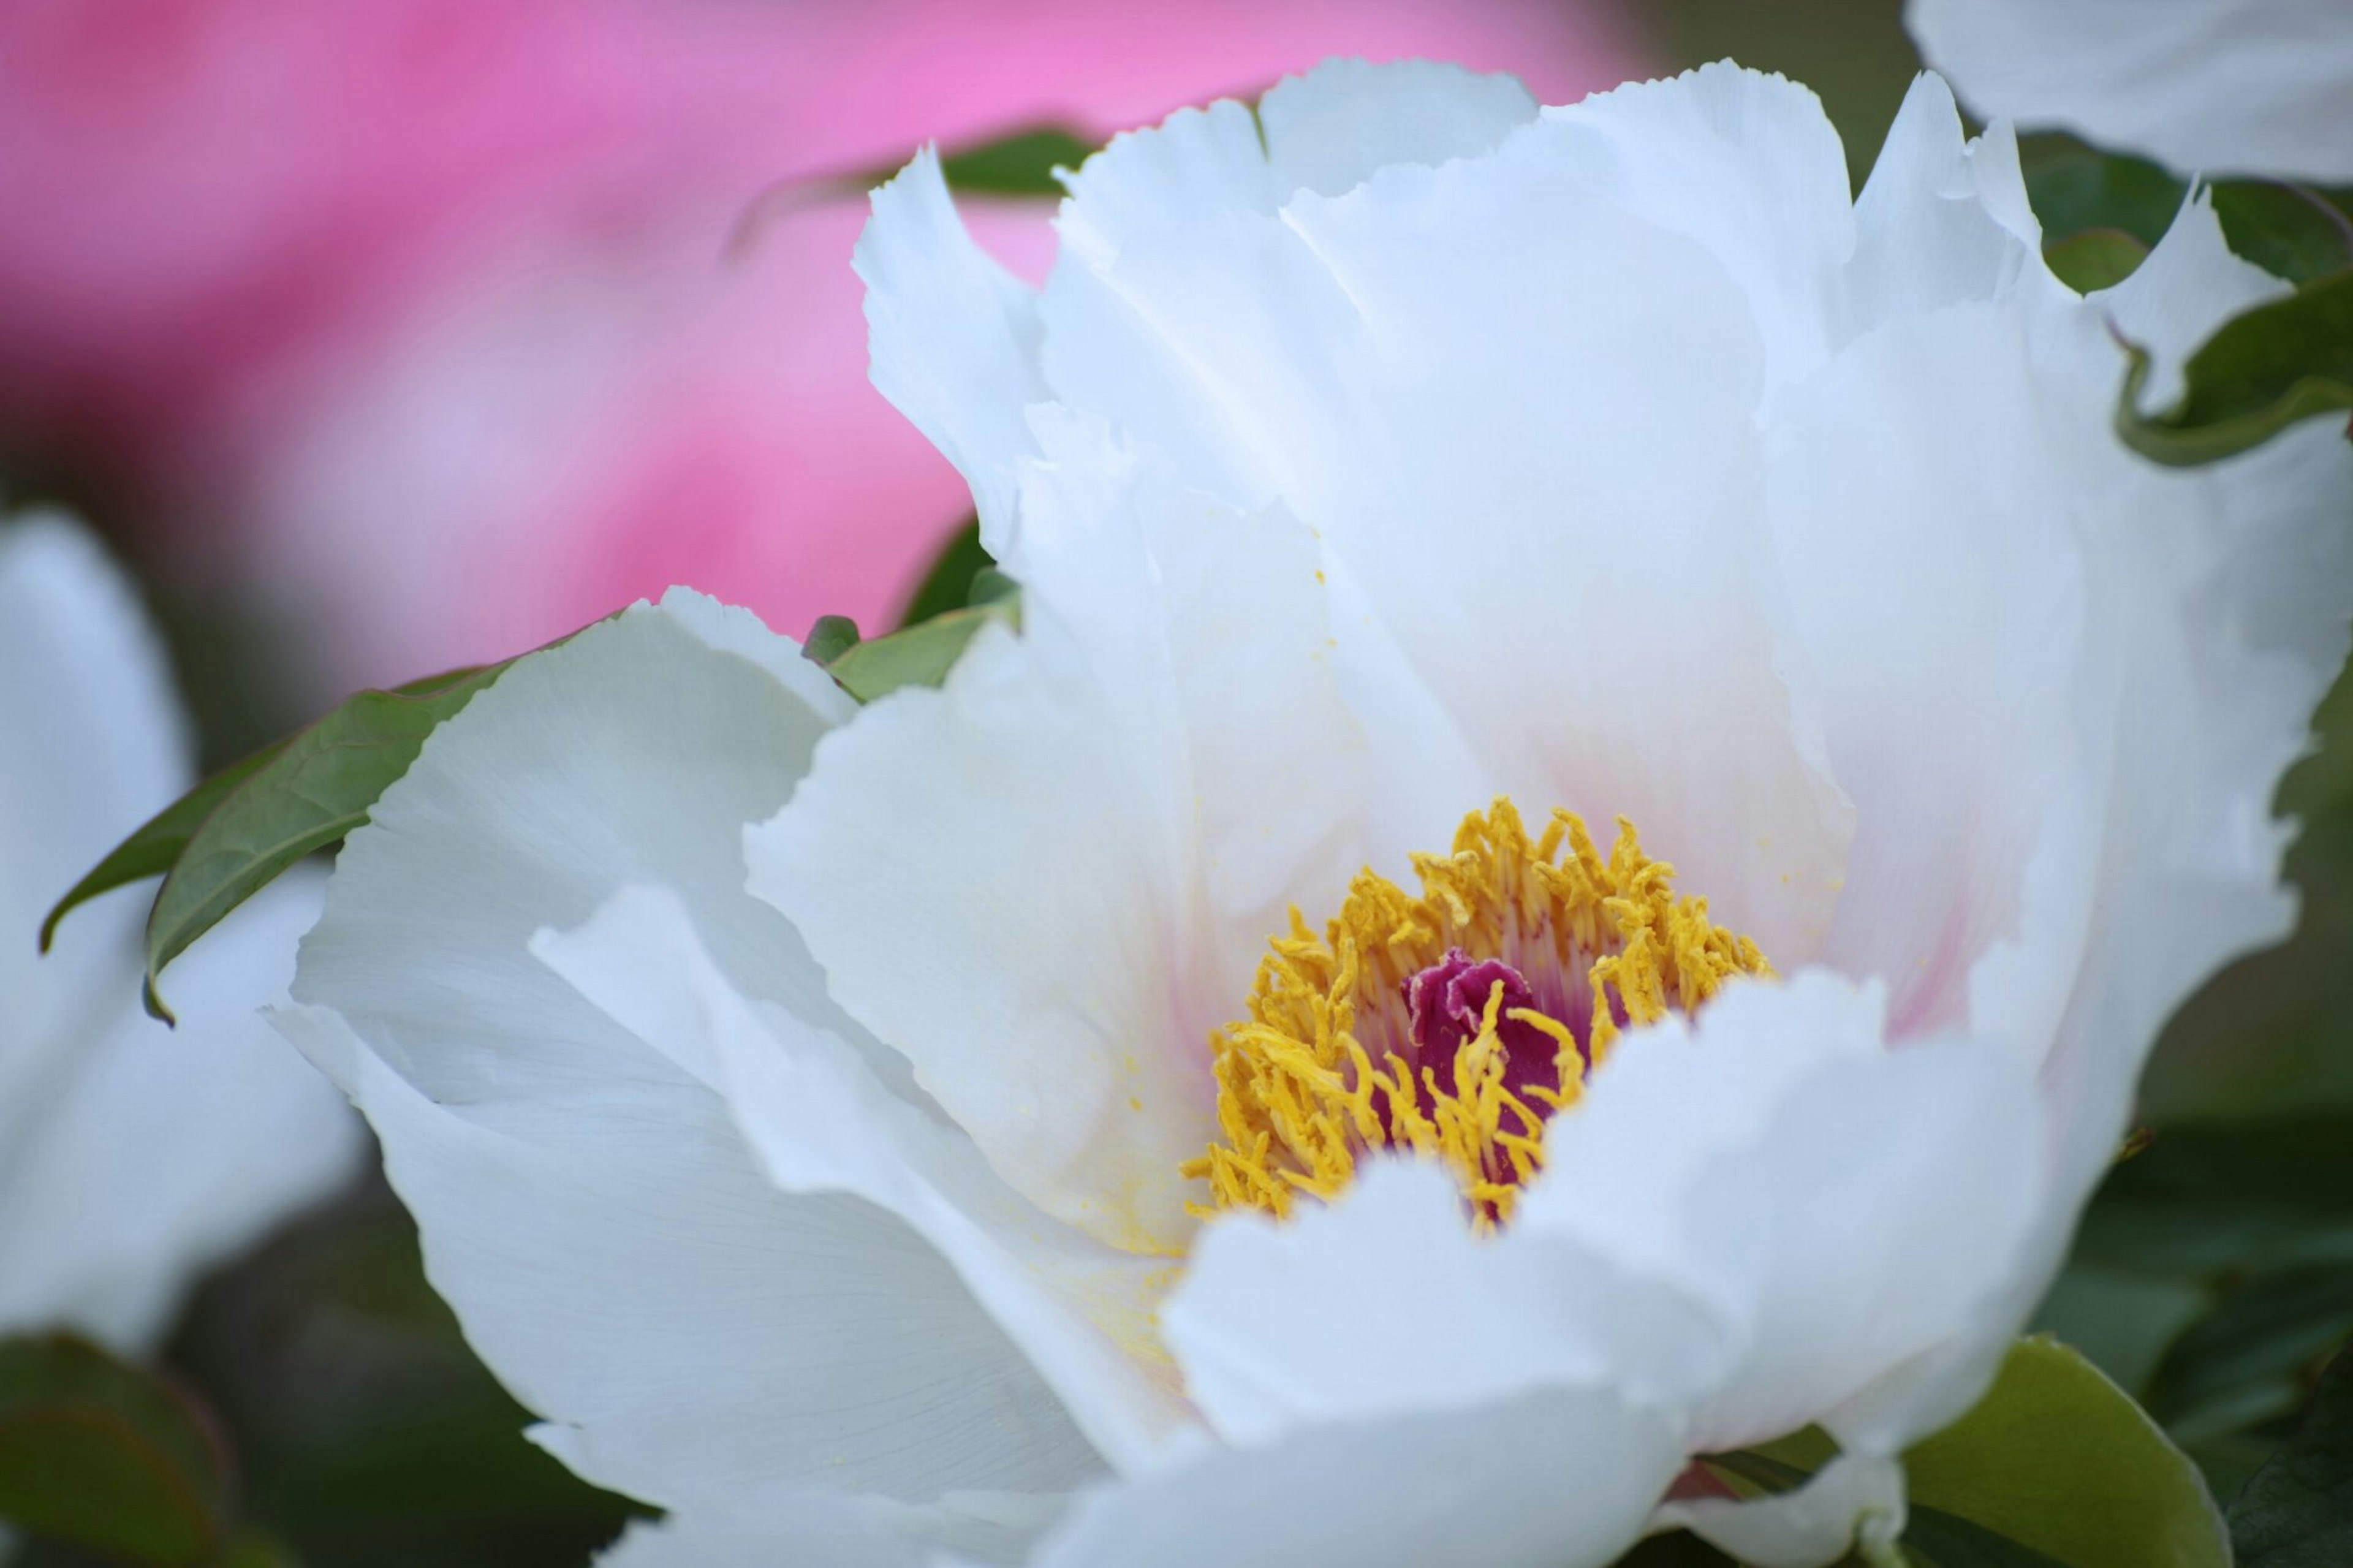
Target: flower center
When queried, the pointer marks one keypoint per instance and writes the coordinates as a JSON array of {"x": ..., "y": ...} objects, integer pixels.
[{"x": 1453, "y": 1025}]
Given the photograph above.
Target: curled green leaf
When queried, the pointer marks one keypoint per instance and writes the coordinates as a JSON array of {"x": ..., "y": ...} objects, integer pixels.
[{"x": 2286, "y": 361}]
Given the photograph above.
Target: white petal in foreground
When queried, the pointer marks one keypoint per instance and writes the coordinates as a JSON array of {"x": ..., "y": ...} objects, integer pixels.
[
  {"x": 822, "y": 1123},
  {"x": 154, "y": 1153},
  {"x": 95, "y": 745},
  {"x": 131, "y": 1156},
  {"x": 2210, "y": 87},
  {"x": 1045, "y": 882},
  {"x": 1850, "y": 1211},
  {"x": 1552, "y": 1478},
  {"x": 694, "y": 1336}
]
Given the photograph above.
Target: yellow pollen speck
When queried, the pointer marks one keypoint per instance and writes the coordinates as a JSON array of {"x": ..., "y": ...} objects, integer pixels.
[{"x": 1323, "y": 1068}]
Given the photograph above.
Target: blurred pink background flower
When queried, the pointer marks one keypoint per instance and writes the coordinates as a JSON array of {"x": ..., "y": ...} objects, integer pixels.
[{"x": 423, "y": 319}]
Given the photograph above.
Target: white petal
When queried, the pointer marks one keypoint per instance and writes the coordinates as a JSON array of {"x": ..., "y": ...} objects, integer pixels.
[
  {"x": 160, "y": 1152},
  {"x": 2217, "y": 624},
  {"x": 821, "y": 1123},
  {"x": 1940, "y": 221},
  {"x": 953, "y": 336},
  {"x": 2215, "y": 86},
  {"x": 1746, "y": 163},
  {"x": 1549, "y": 1478},
  {"x": 1918, "y": 493},
  {"x": 96, "y": 746},
  {"x": 694, "y": 1335},
  {"x": 862, "y": 1532},
  {"x": 1575, "y": 485},
  {"x": 1849, "y": 1212},
  {"x": 1048, "y": 881},
  {"x": 1327, "y": 130},
  {"x": 1853, "y": 1497},
  {"x": 2186, "y": 288},
  {"x": 1385, "y": 1304},
  {"x": 130, "y": 1157}
]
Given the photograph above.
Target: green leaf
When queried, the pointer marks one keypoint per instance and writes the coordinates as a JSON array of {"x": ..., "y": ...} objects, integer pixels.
[
  {"x": 2074, "y": 187},
  {"x": 2289, "y": 231},
  {"x": 156, "y": 848},
  {"x": 830, "y": 638},
  {"x": 2289, "y": 360},
  {"x": 1020, "y": 163},
  {"x": 2297, "y": 1510},
  {"x": 2246, "y": 1359},
  {"x": 2053, "y": 1466},
  {"x": 922, "y": 652},
  {"x": 2251, "y": 1195},
  {"x": 920, "y": 656},
  {"x": 314, "y": 791},
  {"x": 1676, "y": 1549},
  {"x": 2123, "y": 1321},
  {"x": 2095, "y": 259},
  {"x": 2058, "y": 1459},
  {"x": 947, "y": 584},
  {"x": 257, "y": 1549},
  {"x": 96, "y": 1455},
  {"x": 1016, "y": 163},
  {"x": 1932, "y": 1538}
]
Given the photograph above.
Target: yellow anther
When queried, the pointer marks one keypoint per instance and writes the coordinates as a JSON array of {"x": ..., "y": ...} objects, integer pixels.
[{"x": 1323, "y": 1070}]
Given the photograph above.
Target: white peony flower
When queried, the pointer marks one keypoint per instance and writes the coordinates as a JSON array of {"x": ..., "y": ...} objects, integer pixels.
[
  {"x": 857, "y": 1131},
  {"x": 131, "y": 1157},
  {"x": 2213, "y": 87}
]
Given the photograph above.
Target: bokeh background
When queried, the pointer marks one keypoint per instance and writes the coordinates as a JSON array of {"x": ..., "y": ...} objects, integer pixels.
[{"x": 385, "y": 338}]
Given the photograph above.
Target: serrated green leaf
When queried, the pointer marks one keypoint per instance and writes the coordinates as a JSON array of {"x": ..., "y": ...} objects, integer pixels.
[
  {"x": 2097, "y": 259},
  {"x": 2283, "y": 361},
  {"x": 947, "y": 583},
  {"x": 2058, "y": 1459},
  {"x": 2297, "y": 1510},
  {"x": 314, "y": 791},
  {"x": 96, "y": 1455}
]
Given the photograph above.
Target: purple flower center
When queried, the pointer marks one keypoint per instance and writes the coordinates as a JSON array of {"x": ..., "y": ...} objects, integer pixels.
[{"x": 1446, "y": 1003}]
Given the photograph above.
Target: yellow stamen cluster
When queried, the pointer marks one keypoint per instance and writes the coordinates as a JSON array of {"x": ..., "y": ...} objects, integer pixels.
[{"x": 1322, "y": 1069}]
